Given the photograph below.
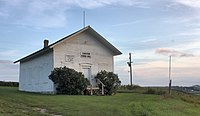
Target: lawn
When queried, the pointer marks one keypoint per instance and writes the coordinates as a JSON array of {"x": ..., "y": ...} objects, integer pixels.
[{"x": 13, "y": 102}]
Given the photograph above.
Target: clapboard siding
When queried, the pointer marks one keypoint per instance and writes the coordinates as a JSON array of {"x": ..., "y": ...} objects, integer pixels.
[
  {"x": 101, "y": 58},
  {"x": 34, "y": 74}
]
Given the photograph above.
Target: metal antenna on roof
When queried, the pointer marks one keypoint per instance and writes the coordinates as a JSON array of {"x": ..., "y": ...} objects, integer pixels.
[{"x": 83, "y": 19}]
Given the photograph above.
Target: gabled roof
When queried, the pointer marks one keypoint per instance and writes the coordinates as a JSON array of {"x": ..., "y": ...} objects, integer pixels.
[{"x": 101, "y": 39}]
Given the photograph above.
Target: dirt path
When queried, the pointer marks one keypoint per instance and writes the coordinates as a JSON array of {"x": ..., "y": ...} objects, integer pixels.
[{"x": 45, "y": 111}]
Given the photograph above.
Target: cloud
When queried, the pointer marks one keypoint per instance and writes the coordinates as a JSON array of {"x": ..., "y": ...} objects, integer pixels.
[
  {"x": 53, "y": 14},
  {"x": 148, "y": 40},
  {"x": 9, "y": 54},
  {"x": 126, "y": 23},
  {"x": 7, "y": 64},
  {"x": 5, "y": 61},
  {"x": 159, "y": 76},
  {"x": 9, "y": 71},
  {"x": 192, "y": 32},
  {"x": 155, "y": 73},
  {"x": 152, "y": 70},
  {"x": 90, "y": 4},
  {"x": 190, "y": 3},
  {"x": 130, "y": 23},
  {"x": 185, "y": 12},
  {"x": 171, "y": 52}
]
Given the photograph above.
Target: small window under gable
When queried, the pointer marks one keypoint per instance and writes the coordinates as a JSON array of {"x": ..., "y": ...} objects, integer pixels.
[
  {"x": 85, "y": 55},
  {"x": 69, "y": 58}
]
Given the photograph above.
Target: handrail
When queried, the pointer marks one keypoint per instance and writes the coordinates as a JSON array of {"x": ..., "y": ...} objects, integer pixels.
[
  {"x": 102, "y": 87},
  {"x": 100, "y": 82}
]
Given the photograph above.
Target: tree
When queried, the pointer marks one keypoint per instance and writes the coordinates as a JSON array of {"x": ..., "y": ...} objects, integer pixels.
[
  {"x": 68, "y": 81},
  {"x": 110, "y": 80}
]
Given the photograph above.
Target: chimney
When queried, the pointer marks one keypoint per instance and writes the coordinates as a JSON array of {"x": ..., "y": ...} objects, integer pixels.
[{"x": 46, "y": 42}]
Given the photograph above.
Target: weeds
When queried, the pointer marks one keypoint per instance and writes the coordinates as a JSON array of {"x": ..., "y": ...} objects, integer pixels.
[{"x": 155, "y": 91}]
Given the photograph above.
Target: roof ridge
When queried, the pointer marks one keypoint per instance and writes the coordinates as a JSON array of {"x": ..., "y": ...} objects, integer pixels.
[{"x": 50, "y": 47}]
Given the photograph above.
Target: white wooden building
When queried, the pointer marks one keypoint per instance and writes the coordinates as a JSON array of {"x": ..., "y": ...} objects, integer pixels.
[{"x": 85, "y": 51}]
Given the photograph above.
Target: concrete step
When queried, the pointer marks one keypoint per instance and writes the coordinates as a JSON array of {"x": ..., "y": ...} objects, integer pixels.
[{"x": 93, "y": 88}]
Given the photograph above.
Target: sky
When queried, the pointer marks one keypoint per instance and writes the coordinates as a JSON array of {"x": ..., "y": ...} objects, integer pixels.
[{"x": 151, "y": 30}]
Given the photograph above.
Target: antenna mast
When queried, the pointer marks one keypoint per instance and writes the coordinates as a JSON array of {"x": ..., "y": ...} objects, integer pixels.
[{"x": 83, "y": 19}]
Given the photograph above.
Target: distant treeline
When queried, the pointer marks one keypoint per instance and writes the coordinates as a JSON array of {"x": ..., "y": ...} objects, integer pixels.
[
  {"x": 10, "y": 84},
  {"x": 129, "y": 87}
]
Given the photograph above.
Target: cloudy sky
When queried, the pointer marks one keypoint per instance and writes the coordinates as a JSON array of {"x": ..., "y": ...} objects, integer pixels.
[{"x": 151, "y": 30}]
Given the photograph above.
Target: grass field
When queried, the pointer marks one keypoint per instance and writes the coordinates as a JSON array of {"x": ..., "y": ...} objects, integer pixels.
[{"x": 13, "y": 102}]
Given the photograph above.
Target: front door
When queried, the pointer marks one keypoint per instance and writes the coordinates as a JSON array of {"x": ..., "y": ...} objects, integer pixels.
[{"x": 87, "y": 73}]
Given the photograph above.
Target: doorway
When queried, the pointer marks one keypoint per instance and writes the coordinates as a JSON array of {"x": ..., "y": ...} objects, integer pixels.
[{"x": 87, "y": 72}]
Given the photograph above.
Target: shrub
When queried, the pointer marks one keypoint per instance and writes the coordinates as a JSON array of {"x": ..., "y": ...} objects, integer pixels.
[
  {"x": 10, "y": 84},
  {"x": 154, "y": 91},
  {"x": 150, "y": 91},
  {"x": 68, "y": 81},
  {"x": 110, "y": 80},
  {"x": 129, "y": 87},
  {"x": 161, "y": 92}
]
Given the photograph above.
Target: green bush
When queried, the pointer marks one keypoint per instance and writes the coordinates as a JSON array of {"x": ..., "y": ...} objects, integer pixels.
[
  {"x": 110, "y": 80},
  {"x": 68, "y": 81}
]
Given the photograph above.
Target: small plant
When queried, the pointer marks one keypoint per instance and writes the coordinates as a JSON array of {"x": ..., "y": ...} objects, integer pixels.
[
  {"x": 187, "y": 97},
  {"x": 110, "y": 80},
  {"x": 68, "y": 81},
  {"x": 150, "y": 91},
  {"x": 160, "y": 92},
  {"x": 140, "y": 109}
]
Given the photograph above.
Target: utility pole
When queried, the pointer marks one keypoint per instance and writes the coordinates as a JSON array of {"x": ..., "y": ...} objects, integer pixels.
[
  {"x": 170, "y": 81},
  {"x": 129, "y": 64}
]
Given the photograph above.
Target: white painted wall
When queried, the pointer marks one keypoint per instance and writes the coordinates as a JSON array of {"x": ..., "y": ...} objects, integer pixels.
[
  {"x": 34, "y": 74},
  {"x": 101, "y": 57}
]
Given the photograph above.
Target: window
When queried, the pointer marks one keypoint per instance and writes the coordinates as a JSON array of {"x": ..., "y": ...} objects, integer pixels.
[{"x": 69, "y": 58}]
